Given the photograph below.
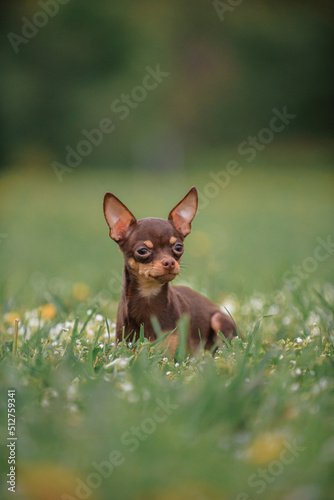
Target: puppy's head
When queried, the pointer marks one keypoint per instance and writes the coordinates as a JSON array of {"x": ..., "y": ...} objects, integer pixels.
[{"x": 152, "y": 247}]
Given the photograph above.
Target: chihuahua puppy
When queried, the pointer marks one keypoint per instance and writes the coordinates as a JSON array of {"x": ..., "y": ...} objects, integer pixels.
[{"x": 153, "y": 250}]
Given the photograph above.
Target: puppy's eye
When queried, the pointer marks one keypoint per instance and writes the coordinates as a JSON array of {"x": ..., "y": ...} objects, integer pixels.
[
  {"x": 143, "y": 252},
  {"x": 178, "y": 248}
]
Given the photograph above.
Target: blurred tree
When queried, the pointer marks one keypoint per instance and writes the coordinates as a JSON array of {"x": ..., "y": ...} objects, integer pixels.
[
  {"x": 56, "y": 72},
  {"x": 225, "y": 75}
]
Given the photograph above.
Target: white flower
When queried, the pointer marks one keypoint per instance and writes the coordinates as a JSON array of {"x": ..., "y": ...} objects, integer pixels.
[
  {"x": 313, "y": 318},
  {"x": 256, "y": 303},
  {"x": 99, "y": 318},
  {"x": 273, "y": 310},
  {"x": 315, "y": 330},
  {"x": 168, "y": 373},
  {"x": 323, "y": 383},
  {"x": 133, "y": 397},
  {"x": 34, "y": 322},
  {"x": 299, "y": 340},
  {"x": 110, "y": 335},
  {"x": 228, "y": 304},
  {"x": 127, "y": 386},
  {"x": 73, "y": 389},
  {"x": 119, "y": 363}
]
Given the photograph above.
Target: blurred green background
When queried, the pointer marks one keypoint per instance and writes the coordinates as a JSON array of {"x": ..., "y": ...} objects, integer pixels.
[
  {"x": 70, "y": 69},
  {"x": 65, "y": 66}
]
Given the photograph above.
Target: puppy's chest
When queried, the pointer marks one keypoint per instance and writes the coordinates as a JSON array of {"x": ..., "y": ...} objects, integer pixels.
[{"x": 167, "y": 311}]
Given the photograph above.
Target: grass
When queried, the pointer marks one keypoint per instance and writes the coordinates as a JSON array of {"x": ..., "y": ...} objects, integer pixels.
[
  {"x": 252, "y": 420},
  {"x": 101, "y": 420},
  {"x": 263, "y": 223}
]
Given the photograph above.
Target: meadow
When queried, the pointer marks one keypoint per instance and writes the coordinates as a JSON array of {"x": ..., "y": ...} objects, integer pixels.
[{"x": 100, "y": 420}]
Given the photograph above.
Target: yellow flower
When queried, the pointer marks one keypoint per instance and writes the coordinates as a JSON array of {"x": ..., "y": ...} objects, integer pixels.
[
  {"x": 48, "y": 311},
  {"x": 41, "y": 481},
  {"x": 290, "y": 413},
  {"x": 80, "y": 291},
  {"x": 266, "y": 447},
  {"x": 11, "y": 317}
]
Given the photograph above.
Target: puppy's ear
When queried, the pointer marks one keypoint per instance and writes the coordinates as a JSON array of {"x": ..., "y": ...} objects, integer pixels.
[
  {"x": 118, "y": 217},
  {"x": 184, "y": 212}
]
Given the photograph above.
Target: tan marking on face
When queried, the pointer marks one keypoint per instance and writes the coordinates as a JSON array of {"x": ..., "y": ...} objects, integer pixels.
[
  {"x": 145, "y": 270},
  {"x": 147, "y": 273},
  {"x": 133, "y": 264},
  {"x": 172, "y": 240},
  {"x": 154, "y": 269},
  {"x": 148, "y": 243},
  {"x": 148, "y": 286}
]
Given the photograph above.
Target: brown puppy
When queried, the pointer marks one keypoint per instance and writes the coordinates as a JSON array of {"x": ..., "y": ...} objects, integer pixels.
[{"x": 152, "y": 250}]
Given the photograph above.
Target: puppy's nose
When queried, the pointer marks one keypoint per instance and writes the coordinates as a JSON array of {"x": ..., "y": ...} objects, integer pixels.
[{"x": 168, "y": 264}]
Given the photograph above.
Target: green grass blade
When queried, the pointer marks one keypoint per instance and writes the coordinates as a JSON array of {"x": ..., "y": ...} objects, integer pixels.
[
  {"x": 162, "y": 338},
  {"x": 141, "y": 334},
  {"x": 183, "y": 330},
  {"x": 156, "y": 326}
]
